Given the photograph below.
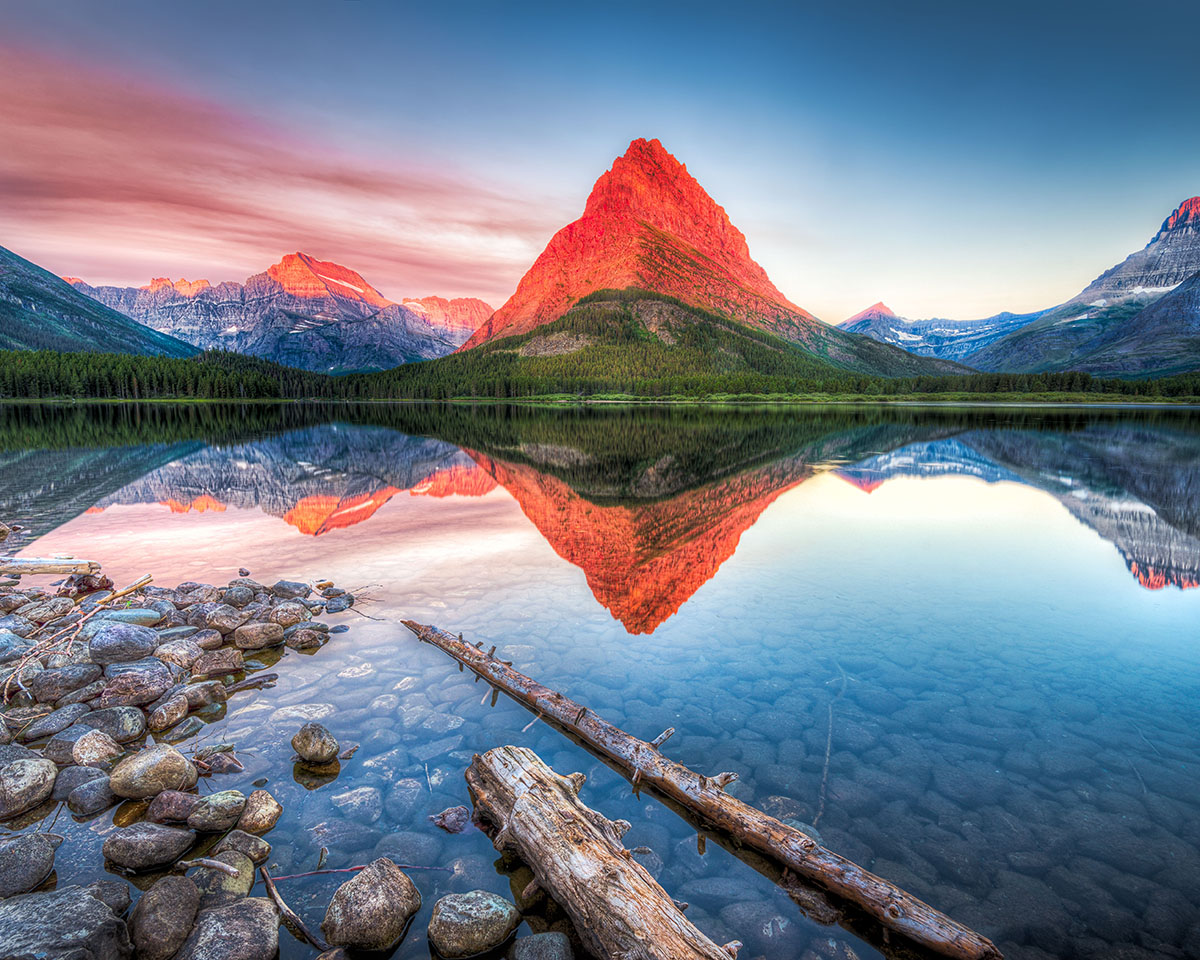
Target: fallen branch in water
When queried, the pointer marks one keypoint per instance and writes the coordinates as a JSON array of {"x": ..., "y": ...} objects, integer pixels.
[
  {"x": 886, "y": 904},
  {"x": 290, "y": 915},
  {"x": 355, "y": 869},
  {"x": 186, "y": 865}
]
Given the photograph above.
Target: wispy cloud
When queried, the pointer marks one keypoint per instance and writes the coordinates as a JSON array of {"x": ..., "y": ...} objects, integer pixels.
[{"x": 115, "y": 179}]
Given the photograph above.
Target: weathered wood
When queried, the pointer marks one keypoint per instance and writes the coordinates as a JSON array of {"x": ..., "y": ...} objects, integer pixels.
[
  {"x": 55, "y": 565},
  {"x": 577, "y": 857},
  {"x": 885, "y": 903}
]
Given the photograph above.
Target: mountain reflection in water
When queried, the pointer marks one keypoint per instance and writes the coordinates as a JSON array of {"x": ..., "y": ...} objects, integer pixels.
[{"x": 647, "y": 502}]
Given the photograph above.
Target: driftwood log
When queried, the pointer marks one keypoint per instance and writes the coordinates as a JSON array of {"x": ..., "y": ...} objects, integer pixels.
[
  {"x": 893, "y": 908},
  {"x": 55, "y": 565},
  {"x": 577, "y": 857}
]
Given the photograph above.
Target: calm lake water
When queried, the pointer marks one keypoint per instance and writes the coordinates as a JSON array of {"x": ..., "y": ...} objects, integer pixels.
[{"x": 999, "y": 607}]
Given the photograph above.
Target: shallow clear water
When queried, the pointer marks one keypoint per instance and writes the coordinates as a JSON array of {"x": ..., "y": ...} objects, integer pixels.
[{"x": 998, "y": 607}]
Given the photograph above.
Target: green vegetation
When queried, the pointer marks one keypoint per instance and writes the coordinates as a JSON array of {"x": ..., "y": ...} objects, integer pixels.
[{"x": 613, "y": 345}]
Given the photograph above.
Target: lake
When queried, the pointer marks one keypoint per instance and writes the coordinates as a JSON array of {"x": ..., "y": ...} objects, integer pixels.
[{"x": 991, "y": 617}]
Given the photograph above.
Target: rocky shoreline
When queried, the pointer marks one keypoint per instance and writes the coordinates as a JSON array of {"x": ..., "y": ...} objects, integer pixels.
[{"x": 105, "y": 693}]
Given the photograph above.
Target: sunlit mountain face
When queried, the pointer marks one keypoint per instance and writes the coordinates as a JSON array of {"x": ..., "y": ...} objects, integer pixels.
[{"x": 647, "y": 504}]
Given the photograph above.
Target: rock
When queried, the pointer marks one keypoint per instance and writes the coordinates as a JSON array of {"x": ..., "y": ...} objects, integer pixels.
[
  {"x": 243, "y": 572},
  {"x": 255, "y": 636},
  {"x": 260, "y": 814},
  {"x": 83, "y": 694},
  {"x": 171, "y": 634},
  {"x": 288, "y": 614},
  {"x": 224, "y": 619},
  {"x": 43, "y": 611},
  {"x": 315, "y": 744},
  {"x": 403, "y": 798},
  {"x": 182, "y": 653},
  {"x": 66, "y": 924},
  {"x": 58, "y": 748},
  {"x": 72, "y": 777},
  {"x": 200, "y": 695},
  {"x": 364, "y": 804},
  {"x": 452, "y": 819},
  {"x": 52, "y": 685},
  {"x": 304, "y": 637},
  {"x": 172, "y": 806},
  {"x": 256, "y": 848},
  {"x": 115, "y": 642},
  {"x": 24, "y": 784},
  {"x": 96, "y": 749},
  {"x": 541, "y": 946},
  {"x": 218, "y": 888},
  {"x": 91, "y": 797},
  {"x": 217, "y": 812},
  {"x": 290, "y": 589},
  {"x": 115, "y": 893},
  {"x": 464, "y": 924},
  {"x": 17, "y": 624},
  {"x": 134, "y": 684},
  {"x": 144, "y": 846},
  {"x": 25, "y": 861},
  {"x": 208, "y": 639},
  {"x": 141, "y": 616},
  {"x": 123, "y": 724},
  {"x": 247, "y": 929},
  {"x": 238, "y": 596},
  {"x": 150, "y": 772},
  {"x": 217, "y": 662},
  {"x": 169, "y": 713},
  {"x": 163, "y": 918},
  {"x": 371, "y": 910},
  {"x": 53, "y": 723},
  {"x": 338, "y": 604}
]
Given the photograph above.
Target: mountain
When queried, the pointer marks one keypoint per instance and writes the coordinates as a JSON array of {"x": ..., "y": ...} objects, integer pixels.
[
  {"x": 302, "y": 312},
  {"x": 649, "y": 224},
  {"x": 628, "y": 342},
  {"x": 946, "y": 339},
  {"x": 38, "y": 311},
  {"x": 1107, "y": 312}
]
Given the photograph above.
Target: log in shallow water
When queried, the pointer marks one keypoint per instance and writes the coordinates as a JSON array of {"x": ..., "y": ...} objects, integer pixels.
[
  {"x": 43, "y": 565},
  {"x": 893, "y": 908},
  {"x": 577, "y": 856}
]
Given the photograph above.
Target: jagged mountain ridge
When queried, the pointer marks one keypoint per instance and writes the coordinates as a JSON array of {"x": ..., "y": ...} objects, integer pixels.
[
  {"x": 937, "y": 337},
  {"x": 648, "y": 224},
  {"x": 1107, "y": 311},
  {"x": 302, "y": 312},
  {"x": 39, "y": 311}
]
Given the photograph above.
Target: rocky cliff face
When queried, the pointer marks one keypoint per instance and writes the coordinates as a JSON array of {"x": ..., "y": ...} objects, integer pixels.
[
  {"x": 648, "y": 223},
  {"x": 304, "y": 312},
  {"x": 939, "y": 337},
  {"x": 1069, "y": 336}
]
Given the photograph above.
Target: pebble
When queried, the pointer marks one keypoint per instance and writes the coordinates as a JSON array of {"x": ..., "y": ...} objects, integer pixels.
[{"x": 371, "y": 910}]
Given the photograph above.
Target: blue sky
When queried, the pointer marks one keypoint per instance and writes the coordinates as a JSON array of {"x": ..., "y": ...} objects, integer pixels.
[{"x": 949, "y": 159}]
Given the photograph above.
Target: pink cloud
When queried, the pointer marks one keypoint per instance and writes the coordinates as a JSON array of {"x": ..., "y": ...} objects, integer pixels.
[{"x": 116, "y": 180}]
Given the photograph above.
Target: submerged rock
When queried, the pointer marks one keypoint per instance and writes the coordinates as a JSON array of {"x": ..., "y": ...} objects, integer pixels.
[
  {"x": 163, "y": 918},
  {"x": 25, "y": 861},
  {"x": 71, "y": 923},
  {"x": 217, "y": 812},
  {"x": 541, "y": 946},
  {"x": 144, "y": 846},
  {"x": 256, "y": 848},
  {"x": 371, "y": 910},
  {"x": 464, "y": 924},
  {"x": 217, "y": 887},
  {"x": 315, "y": 744}
]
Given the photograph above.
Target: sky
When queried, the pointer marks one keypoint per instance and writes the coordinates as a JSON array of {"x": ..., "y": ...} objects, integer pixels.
[{"x": 950, "y": 159}]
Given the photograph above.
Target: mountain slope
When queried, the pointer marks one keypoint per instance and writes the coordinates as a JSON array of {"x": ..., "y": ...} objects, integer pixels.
[
  {"x": 1063, "y": 338},
  {"x": 623, "y": 341},
  {"x": 302, "y": 312},
  {"x": 938, "y": 337},
  {"x": 649, "y": 224},
  {"x": 38, "y": 311}
]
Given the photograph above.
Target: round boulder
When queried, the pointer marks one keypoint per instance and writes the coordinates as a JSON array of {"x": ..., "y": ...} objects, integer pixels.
[
  {"x": 115, "y": 642},
  {"x": 149, "y": 772},
  {"x": 371, "y": 910},
  {"x": 25, "y": 861},
  {"x": 260, "y": 814},
  {"x": 163, "y": 918},
  {"x": 315, "y": 744},
  {"x": 464, "y": 924},
  {"x": 144, "y": 846},
  {"x": 24, "y": 784}
]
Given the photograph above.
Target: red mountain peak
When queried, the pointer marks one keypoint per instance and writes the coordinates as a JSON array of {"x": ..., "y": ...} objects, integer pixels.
[
  {"x": 305, "y": 276},
  {"x": 1187, "y": 214},
  {"x": 647, "y": 223},
  {"x": 188, "y": 288},
  {"x": 879, "y": 309}
]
